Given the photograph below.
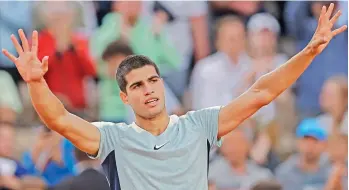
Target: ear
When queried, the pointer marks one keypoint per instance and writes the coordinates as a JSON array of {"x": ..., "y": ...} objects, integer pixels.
[{"x": 124, "y": 97}]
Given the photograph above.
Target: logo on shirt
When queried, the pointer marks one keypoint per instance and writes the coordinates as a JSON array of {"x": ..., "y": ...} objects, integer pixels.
[{"x": 156, "y": 147}]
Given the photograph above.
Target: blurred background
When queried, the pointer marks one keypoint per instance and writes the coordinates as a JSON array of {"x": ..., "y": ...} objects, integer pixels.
[{"x": 208, "y": 53}]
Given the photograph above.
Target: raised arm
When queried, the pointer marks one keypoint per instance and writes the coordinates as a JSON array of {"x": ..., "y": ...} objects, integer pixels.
[
  {"x": 269, "y": 86},
  {"x": 81, "y": 133}
]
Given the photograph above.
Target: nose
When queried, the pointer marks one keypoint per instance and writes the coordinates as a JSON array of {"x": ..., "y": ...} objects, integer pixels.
[{"x": 148, "y": 90}]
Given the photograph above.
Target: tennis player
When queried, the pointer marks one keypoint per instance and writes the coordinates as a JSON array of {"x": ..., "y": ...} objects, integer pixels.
[{"x": 159, "y": 151}]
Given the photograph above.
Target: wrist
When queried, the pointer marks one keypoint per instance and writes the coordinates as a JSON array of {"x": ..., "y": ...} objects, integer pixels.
[
  {"x": 309, "y": 51},
  {"x": 38, "y": 81}
]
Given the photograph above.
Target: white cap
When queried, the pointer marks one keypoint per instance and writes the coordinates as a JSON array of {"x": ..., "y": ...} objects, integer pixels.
[{"x": 262, "y": 21}]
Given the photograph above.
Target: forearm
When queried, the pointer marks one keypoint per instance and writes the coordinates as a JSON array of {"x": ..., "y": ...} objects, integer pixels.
[
  {"x": 277, "y": 81},
  {"x": 46, "y": 104}
]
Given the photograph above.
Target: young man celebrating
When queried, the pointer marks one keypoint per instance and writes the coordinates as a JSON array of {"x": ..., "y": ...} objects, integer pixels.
[{"x": 159, "y": 151}]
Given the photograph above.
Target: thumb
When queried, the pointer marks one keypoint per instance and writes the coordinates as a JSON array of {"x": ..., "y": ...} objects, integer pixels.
[{"x": 45, "y": 63}]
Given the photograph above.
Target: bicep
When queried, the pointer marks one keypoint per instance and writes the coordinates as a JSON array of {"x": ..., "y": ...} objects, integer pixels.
[
  {"x": 84, "y": 135},
  {"x": 244, "y": 106}
]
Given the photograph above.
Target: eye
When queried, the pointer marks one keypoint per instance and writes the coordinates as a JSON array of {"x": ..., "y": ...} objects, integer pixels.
[
  {"x": 154, "y": 80},
  {"x": 136, "y": 86}
]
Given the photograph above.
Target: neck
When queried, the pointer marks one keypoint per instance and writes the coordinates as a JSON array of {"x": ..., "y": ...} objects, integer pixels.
[
  {"x": 233, "y": 56},
  {"x": 156, "y": 125},
  {"x": 309, "y": 166},
  {"x": 262, "y": 53}
]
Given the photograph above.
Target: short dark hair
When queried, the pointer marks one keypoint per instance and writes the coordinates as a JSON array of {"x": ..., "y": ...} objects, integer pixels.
[
  {"x": 130, "y": 63},
  {"x": 116, "y": 48}
]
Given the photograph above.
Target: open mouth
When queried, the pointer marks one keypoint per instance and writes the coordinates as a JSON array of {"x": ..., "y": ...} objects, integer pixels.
[{"x": 152, "y": 101}]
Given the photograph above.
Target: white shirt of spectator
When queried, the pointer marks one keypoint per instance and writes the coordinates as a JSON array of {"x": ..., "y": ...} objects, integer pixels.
[{"x": 215, "y": 80}]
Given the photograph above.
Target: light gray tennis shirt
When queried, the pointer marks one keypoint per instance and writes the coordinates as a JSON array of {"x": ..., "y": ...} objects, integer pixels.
[{"x": 134, "y": 159}]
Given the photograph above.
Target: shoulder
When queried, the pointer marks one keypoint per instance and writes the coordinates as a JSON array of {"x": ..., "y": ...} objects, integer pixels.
[
  {"x": 200, "y": 113},
  {"x": 287, "y": 166},
  {"x": 108, "y": 18},
  {"x": 110, "y": 126},
  {"x": 260, "y": 171},
  {"x": 208, "y": 66}
]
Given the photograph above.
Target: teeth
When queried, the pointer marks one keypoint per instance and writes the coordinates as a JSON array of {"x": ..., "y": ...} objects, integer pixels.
[{"x": 152, "y": 100}]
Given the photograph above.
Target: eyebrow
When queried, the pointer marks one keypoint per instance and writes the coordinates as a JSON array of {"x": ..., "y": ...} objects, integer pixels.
[
  {"x": 153, "y": 77},
  {"x": 140, "y": 82}
]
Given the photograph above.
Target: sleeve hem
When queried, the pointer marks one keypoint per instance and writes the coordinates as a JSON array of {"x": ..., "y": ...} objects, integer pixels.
[{"x": 94, "y": 157}]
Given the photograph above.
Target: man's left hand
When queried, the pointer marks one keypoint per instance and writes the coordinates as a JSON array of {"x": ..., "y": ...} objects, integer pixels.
[{"x": 324, "y": 33}]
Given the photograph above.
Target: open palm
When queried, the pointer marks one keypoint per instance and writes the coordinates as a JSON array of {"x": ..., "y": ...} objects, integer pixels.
[
  {"x": 28, "y": 64},
  {"x": 324, "y": 33}
]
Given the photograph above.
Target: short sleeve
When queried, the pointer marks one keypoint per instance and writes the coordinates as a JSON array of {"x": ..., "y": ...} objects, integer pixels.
[
  {"x": 109, "y": 139},
  {"x": 206, "y": 120}
]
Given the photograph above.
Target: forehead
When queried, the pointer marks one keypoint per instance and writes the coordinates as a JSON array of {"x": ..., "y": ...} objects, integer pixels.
[{"x": 140, "y": 74}]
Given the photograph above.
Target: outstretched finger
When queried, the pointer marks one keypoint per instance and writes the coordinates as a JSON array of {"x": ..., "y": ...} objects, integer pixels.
[
  {"x": 35, "y": 42},
  {"x": 323, "y": 11},
  {"x": 339, "y": 30},
  {"x": 24, "y": 40},
  {"x": 330, "y": 10},
  {"x": 45, "y": 63},
  {"x": 17, "y": 45},
  {"x": 335, "y": 17},
  {"x": 9, "y": 55}
]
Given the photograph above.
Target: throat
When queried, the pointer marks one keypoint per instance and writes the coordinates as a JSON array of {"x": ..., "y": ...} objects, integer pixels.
[{"x": 155, "y": 126}]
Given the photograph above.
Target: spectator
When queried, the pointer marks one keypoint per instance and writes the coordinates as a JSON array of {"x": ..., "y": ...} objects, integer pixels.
[
  {"x": 338, "y": 153},
  {"x": 10, "y": 102},
  {"x": 310, "y": 167},
  {"x": 70, "y": 63},
  {"x": 13, "y": 15},
  {"x": 229, "y": 66},
  {"x": 89, "y": 175},
  {"x": 187, "y": 29},
  {"x": 85, "y": 21},
  {"x": 233, "y": 170},
  {"x": 10, "y": 169},
  {"x": 338, "y": 149},
  {"x": 263, "y": 33},
  {"x": 267, "y": 185},
  {"x": 334, "y": 104},
  {"x": 50, "y": 157},
  {"x": 238, "y": 8},
  {"x": 125, "y": 23},
  {"x": 301, "y": 24},
  {"x": 111, "y": 106}
]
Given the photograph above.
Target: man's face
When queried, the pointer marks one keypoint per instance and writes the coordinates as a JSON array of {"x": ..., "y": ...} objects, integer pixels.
[
  {"x": 59, "y": 15},
  {"x": 145, "y": 92},
  {"x": 113, "y": 64},
  {"x": 310, "y": 149},
  {"x": 264, "y": 40},
  {"x": 330, "y": 97},
  {"x": 235, "y": 147},
  {"x": 130, "y": 9},
  {"x": 7, "y": 141},
  {"x": 231, "y": 37}
]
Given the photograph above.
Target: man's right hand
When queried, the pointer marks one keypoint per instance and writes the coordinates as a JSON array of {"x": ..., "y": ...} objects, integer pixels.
[
  {"x": 28, "y": 64},
  {"x": 52, "y": 112}
]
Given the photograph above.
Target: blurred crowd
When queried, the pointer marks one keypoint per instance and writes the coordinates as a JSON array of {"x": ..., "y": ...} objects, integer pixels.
[{"x": 208, "y": 54}]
